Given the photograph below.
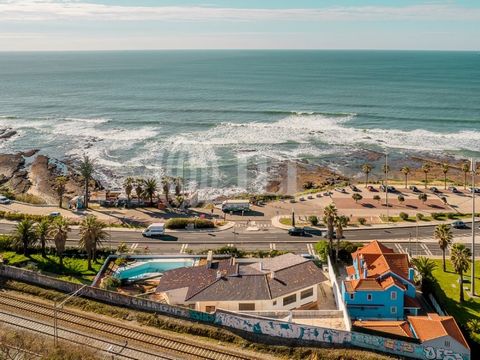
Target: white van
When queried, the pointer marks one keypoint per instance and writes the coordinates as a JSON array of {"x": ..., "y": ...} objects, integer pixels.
[
  {"x": 156, "y": 229},
  {"x": 235, "y": 205}
]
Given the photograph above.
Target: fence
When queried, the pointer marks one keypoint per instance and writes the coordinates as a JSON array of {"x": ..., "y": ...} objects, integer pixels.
[
  {"x": 338, "y": 295},
  {"x": 277, "y": 330}
]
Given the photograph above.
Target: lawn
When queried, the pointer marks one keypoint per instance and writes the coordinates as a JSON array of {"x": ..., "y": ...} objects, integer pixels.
[
  {"x": 450, "y": 292},
  {"x": 75, "y": 269}
]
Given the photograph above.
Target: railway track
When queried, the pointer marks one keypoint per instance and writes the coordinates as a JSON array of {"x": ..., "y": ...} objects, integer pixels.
[{"x": 91, "y": 325}]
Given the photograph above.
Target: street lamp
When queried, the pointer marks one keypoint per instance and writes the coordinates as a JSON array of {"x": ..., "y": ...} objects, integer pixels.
[
  {"x": 473, "y": 169},
  {"x": 386, "y": 187}
]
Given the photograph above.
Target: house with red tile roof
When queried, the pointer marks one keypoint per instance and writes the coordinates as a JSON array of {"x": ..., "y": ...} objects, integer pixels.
[
  {"x": 379, "y": 284},
  {"x": 285, "y": 282}
]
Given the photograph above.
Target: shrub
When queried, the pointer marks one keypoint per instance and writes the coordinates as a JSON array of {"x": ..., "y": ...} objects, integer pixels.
[
  {"x": 229, "y": 250},
  {"x": 377, "y": 197},
  {"x": 7, "y": 192},
  {"x": 437, "y": 216},
  {"x": 357, "y": 197},
  {"x": 420, "y": 216},
  {"x": 451, "y": 216},
  {"x": 29, "y": 198},
  {"x": 6, "y": 243},
  {"x": 346, "y": 249},
  {"x": 313, "y": 220},
  {"x": 110, "y": 283},
  {"x": 362, "y": 221},
  {"x": 322, "y": 249},
  {"x": 403, "y": 216},
  {"x": 182, "y": 223},
  {"x": 401, "y": 199}
]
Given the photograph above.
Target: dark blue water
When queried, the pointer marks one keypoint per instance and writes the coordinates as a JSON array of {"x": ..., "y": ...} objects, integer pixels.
[{"x": 209, "y": 111}]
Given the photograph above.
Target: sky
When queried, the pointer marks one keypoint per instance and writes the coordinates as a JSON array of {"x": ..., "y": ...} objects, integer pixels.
[{"x": 59, "y": 25}]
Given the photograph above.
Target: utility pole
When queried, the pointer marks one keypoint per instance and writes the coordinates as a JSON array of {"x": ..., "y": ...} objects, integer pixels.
[
  {"x": 386, "y": 187},
  {"x": 472, "y": 283}
]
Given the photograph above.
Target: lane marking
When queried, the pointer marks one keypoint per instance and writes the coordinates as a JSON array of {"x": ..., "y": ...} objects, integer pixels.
[
  {"x": 426, "y": 249},
  {"x": 273, "y": 246}
]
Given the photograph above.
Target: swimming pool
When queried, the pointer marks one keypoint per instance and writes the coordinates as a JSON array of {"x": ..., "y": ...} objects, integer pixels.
[{"x": 147, "y": 268}]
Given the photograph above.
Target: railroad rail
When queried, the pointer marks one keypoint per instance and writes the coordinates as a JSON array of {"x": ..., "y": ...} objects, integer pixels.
[{"x": 131, "y": 335}]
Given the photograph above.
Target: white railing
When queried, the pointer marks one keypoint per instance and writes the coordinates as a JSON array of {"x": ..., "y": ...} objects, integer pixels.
[{"x": 338, "y": 296}]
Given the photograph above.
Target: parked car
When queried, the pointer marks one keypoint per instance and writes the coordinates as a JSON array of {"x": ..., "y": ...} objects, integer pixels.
[
  {"x": 302, "y": 199},
  {"x": 310, "y": 197},
  {"x": 296, "y": 231},
  {"x": 371, "y": 188},
  {"x": 354, "y": 188},
  {"x": 459, "y": 225},
  {"x": 414, "y": 188},
  {"x": 54, "y": 214},
  {"x": 434, "y": 190},
  {"x": 471, "y": 189},
  {"x": 318, "y": 195},
  {"x": 453, "y": 189},
  {"x": 341, "y": 190},
  {"x": 156, "y": 229},
  {"x": 391, "y": 189},
  {"x": 308, "y": 256},
  {"x": 4, "y": 200},
  {"x": 327, "y": 193}
]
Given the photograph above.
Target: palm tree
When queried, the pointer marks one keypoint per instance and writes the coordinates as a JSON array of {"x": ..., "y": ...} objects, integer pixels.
[
  {"x": 385, "y": 169},
  {"x": 401, "y": 199},
  {"x": 42, "y": 231},
  {"x": 139, "y": 189},
  {"x": 341, "y": 221},
  {"x": 24, "y": 235},
  {"x": 60, "y": 183},
  {"x": 445, "y": 168},
  {"x": 460, "y": 257},
  {"x": 425, "y": 267},
  {"x": 86, "y": 170},
  {"x": 59, "y": 232},
  {"x": 422, "y": 197},
  {"x": 92, "y": 233},
  {"x": 366, "y": 168},
  {"x": 329, "y": 215},
  {"x": 150, "y": 188},
  {"x": 466, "y": 170},
  {"x": 443, "y": 233},
  {"x": 357, "y": 197},
  {"x": 166, "y": 186},
  {"x": 426, "y": 169},
  {"x": 406, "y": 171},
  {"x": 128, "y": 186}
]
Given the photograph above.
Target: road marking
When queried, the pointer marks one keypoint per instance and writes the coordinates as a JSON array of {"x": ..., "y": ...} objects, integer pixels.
[
  {"x": 310, "y": 249},
  {"x": 183, "y": 249},
  {"x": 133, "y": 247},
  {"x": 400, "y": 249},
  {"x": 426, "y": 249},
  {"x": 273, "y": 246}
]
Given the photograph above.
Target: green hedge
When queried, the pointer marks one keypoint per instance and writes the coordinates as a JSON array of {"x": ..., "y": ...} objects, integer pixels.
[{"x": 182, "y": 223}]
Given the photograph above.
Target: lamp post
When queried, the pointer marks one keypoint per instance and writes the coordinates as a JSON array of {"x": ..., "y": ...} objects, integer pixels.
[
  {"x": 386, "y": 187},
  {"x": 473, "y": 169}
]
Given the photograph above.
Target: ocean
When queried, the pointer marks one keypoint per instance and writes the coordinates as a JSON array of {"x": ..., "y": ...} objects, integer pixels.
[{"x": 214, "y": 116}]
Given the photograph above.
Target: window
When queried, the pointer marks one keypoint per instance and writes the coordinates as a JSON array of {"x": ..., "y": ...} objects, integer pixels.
[
  {"x": 393, "y": 295},
  {"x": 289, "y": 299},
  {"x": 274, "y": 302},
  {"x": 246, "y": 307},
  {"x": 210, "y": 309},
  {"x": 306, "y": 293},
  {"x": 369, "y": 297},
  {"x": 352, "y": 296},
  {"x": 393, "y": 310}
]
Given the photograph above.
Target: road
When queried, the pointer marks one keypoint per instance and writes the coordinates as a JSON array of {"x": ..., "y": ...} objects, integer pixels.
[{"x": 268, "y": 238}]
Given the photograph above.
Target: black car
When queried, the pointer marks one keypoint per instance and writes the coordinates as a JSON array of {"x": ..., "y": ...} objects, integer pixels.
[
  {"x": 354, "y": 188},
  {"x": 296, "y": 231},
  {"x": 459, "y": 225},
  {"x": 414, "y": 188},
  {"x": 434, "y": 190},
  {"x": 453, "y": 189}
]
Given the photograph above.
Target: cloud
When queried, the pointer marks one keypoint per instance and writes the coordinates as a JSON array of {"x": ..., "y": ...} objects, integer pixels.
[{"x": 47, "y": 10}]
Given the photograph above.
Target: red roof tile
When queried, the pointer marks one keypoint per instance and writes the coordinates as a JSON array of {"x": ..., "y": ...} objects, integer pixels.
[{"x": 400, "y": 328}]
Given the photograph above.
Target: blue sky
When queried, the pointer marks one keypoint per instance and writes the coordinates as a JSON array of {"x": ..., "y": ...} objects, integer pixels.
[{"x": 233, "y": 24}]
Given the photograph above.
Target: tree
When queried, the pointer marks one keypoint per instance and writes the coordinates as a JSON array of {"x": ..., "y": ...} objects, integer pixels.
[
  {"x": 466, "y": 170},
  {"x": 401, "y": 199},
  {"x": 425, "y": 267},
  {"x": 59, "y": 232},
  {"x": 445, "y": 168},
  {"x": 128, "y": 184},
  {"x": 367, "y": 169},
  {"x": 166, "y": 187},
  {"x": 139, "y": 189},
  {"x": 329, "y": 215},
  {"x": 24, "y": 235},
  {"x": 341, "y": 221},
  {"x": 42, "y": 231},
  {"x": 460, "y": 257},
  {"x": 443, "y": 233},
  {"x": 86, "y": 170},
  {"x": 426, "y": 169},
  {"x": 150, "y": 188},
  {"x": 178, "y": 186},
  {"x": 422, "y": 197},
  {"x": 406, "y": 171},
  {"x": 92, "y": 234},
  {"x": 60, "y": 183},
  {"x": 377, "y": 198},
  {"x": 357, "y": 197}
]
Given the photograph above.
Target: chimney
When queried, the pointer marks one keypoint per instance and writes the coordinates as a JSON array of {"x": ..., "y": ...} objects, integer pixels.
[
  {"x": 219, "y": 274},
  {"x": 209, "y": 259},
  {"x": 260, "y": 266},
  {"x": 365, "y": 271},
  {"x": 272, "y": 275},
  {"x": 233, "y": 261}
]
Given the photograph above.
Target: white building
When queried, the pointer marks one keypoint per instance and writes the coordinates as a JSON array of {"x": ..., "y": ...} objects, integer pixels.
[{"x": 282, "y": 283}]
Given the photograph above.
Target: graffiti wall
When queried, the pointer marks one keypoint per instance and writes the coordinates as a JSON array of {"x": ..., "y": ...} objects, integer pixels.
[{"x": 331, "y": 336}]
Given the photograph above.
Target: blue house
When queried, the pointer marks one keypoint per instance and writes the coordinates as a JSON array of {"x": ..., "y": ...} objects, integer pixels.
[{"x": 379, "y": 285}]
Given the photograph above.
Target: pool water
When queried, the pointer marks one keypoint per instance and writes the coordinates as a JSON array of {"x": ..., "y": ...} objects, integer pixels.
[{"x": 151, "y": 267}]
